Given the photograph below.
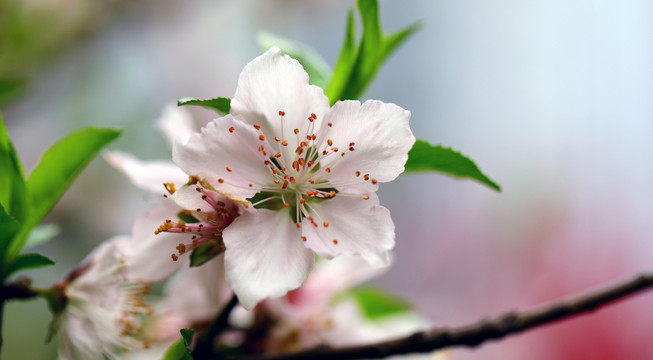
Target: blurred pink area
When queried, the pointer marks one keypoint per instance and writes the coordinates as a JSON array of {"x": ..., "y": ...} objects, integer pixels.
[{"x": 551, "y": 99}]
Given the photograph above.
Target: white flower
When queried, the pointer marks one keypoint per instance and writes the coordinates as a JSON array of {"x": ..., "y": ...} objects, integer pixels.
[
  {"x": 315, "y": 168},
  {"x": 102, "y": 307}
]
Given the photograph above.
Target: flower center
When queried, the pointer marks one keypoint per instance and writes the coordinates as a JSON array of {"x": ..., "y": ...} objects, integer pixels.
[{"x": 205, "y": 226}]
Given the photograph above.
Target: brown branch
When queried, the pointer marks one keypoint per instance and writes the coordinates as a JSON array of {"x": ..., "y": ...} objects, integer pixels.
[{"x": 480, "y": 332}]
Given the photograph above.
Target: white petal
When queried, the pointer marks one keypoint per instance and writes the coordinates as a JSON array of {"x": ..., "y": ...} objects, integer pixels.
[
  {"x": 148, "y": 175},
  {"x": 265, "y": 256},
  {"x": 187, "y": 197},
  {"x": 272, "y": 83},
  {"x": 381, "y": 137},
  {"x": 358, "y": 226},
  {"x": 228, "y": 160},
  {"x": 197, "y": 293},
  {"x": 148, "y": 255},
  {"x": 176, "y": 123}
]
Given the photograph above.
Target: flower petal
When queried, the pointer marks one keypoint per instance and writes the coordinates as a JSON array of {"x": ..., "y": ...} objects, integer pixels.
[
  {"x": 378, "y": 133},
  {"x": 148, "y": 255},
  {"x": 226, "y": 155},
  {"x": 355, "y": 226},
  {"x": 271, "y": 83},
  {"x": 197, "y": 293},
  {"x": 265, "y": 256},
  {"x": 176, "y": 123},
  {"x": 147, "y": 175}
]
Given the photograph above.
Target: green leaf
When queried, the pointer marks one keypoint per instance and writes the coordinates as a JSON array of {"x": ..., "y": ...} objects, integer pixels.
[
  {"x": 426, "y": 157},
  {"x": 12, "y": 182},
  {"x": 28, "y": 261},
  {"x": 392, "y": 41},
  {"x": 42, "y": 234},
  {"x": 376, "y": 303},
  {"x": 180, "y": 350},
  {"x": 345, "y": 63},
  {"x": 220, "y": 104},
  {"x": 317, "y": 68},
  {"x": 58, "y": 167},
  {"x": 357, "y": 66},
  {"x": 8, "y": 230},
  {"x": 206, "y": 252}
]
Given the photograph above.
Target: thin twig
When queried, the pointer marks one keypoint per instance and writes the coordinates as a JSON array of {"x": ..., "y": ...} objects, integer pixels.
[
  {"x": 204, "y": 347},
  {"x": 477, "y": 333}
]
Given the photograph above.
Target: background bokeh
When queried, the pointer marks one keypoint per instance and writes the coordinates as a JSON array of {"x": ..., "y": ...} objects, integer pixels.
[{"x": 551, "y": 98}]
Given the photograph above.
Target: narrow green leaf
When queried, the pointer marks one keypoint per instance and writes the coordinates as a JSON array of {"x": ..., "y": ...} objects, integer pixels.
[
  {"x": 358, "y": 65},
  {"x": 206, "y": 252},
  {"x": 12, "y": 182},
  {"x": 42, "y": 234},
  {"x": 345, "y": 63},
  {"x": 319, "y": 72},
  {"x": 370, "y": 55},
  {"x": 180, "y": 350},
  {"x": 220, "y": 104},
  {"x": 187, "y": 335},
  {"x": 8, "y": 230},
  {"x": 28, "y": 261},
  {"x": 375, "y": 303},
  {"x": 426, "y": 157},
  {"x": 392, "y": 41},
  {"x": 58, "y": 167}
]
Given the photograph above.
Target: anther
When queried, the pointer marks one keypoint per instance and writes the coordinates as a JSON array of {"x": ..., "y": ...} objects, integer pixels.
[
  {"x": 276, "y": 138},
  {"x": 358, "y": 173},
  {"x": 231, "y": 129},
  {"x": 302, "y": 201},
  {"x": 174, "y": 257},
  {"x": 221, "y": 180},
  {"x": 303, "y": 238},
  {"x": 286, "y": 205},
  {"x": 335, "y": 242},
  {"x": 327, "y": 170},
  {"x": 261, "y": 137},
  {"x": 284, "y": 143},
  {"x": 374, "y": 181},
  {"x": 281, "y": 113},
  {"x": 330, "y": 142},
  {"x": 366, "y": 197},
  {"x": 296, "y": 131},
  {"x": 229, "y": 169},
  {"x": 257, "y": 127}
]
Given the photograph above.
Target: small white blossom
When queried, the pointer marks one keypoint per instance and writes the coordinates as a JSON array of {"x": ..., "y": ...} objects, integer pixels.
[{"x": 314, "y": 168}]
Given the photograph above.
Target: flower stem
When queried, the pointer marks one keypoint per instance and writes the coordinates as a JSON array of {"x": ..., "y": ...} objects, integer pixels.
[{"x": 204, "y": 347}]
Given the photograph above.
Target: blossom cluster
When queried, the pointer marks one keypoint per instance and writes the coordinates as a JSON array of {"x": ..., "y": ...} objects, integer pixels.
[{"x": 262, "y": 190}]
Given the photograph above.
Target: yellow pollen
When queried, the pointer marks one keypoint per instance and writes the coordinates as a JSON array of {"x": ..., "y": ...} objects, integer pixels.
[{"x": 170, "y": 187}]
